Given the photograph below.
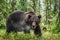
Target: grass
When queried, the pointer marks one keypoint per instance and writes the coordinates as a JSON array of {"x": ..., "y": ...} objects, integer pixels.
[{"x": 21, "y": 36}]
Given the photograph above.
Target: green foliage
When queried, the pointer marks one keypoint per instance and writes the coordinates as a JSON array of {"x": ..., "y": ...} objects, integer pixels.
[
  {"x": 21, "y": 36},
  {"x": 4, "y": 12},
  {"x": 49, "y": 9}
]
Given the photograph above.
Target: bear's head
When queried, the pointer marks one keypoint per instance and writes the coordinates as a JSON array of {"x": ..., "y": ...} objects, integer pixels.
[{"x": 33, "y": 20}]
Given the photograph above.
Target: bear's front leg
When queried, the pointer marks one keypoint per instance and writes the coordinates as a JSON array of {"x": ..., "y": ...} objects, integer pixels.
[{"x": 37, "y": 31}]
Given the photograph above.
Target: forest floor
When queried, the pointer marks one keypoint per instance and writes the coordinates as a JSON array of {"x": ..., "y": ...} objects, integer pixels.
[{"x": 46, "y": 35}]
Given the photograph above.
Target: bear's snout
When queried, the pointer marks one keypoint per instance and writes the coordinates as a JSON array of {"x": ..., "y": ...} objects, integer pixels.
[{"x": 33, "y": 25}]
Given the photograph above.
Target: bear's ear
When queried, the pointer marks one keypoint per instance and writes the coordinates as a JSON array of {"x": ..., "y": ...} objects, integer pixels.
[
  {"x": 29, "y": 16},
  {"x": 39, "y": 16}
]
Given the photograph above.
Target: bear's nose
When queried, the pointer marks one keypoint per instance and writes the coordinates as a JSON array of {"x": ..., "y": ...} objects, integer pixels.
[{"x": 33, "y": 27}]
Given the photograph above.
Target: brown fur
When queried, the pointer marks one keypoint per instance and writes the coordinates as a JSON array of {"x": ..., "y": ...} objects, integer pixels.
[{"x": 23, "y": 21}]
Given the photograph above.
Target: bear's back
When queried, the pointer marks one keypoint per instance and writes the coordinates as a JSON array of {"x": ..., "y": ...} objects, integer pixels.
[{"x": 17, "y": 16}]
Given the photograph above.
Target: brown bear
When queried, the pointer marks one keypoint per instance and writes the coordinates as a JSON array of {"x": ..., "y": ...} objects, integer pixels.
[{"x": 23, "y": 21}]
